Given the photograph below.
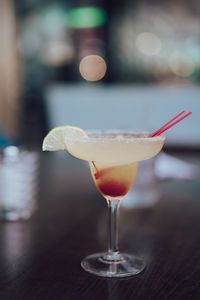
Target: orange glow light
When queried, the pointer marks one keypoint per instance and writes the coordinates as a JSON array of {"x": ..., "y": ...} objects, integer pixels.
[{"x": 92, "y": 67}]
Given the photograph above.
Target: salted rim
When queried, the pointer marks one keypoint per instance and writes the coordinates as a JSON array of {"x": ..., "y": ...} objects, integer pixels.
[{"x": 115, "y": 135}]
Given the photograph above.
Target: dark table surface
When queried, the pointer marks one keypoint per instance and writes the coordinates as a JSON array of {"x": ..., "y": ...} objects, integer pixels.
[{"x": 40, "y": 259}]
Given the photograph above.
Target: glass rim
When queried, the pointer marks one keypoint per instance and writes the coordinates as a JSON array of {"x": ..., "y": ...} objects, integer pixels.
[{"x": 118, "y": 135}]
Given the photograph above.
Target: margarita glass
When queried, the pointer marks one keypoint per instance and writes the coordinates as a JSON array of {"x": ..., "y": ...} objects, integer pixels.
[{"x": 113, "y": 159}]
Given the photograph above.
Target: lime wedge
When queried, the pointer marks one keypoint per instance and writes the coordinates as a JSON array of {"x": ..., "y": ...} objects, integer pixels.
[{"x": 55, "y": 139}]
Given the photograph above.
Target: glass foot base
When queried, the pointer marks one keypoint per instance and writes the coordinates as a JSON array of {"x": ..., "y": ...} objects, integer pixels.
[{"x": 127, "y": 265}]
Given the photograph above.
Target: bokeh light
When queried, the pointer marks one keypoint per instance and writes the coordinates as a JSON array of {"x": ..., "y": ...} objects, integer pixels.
[
  {"x": 57, "y": 53},
  {"x": 148, "y": 43},
  {"x": 92, "y": 67},
  {"x": 181, "y": 64},
  {"x": 86, "y": 17}
]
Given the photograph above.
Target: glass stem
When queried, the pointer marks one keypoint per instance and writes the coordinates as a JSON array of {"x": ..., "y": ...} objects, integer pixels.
[{"x": 113, "y": 250}]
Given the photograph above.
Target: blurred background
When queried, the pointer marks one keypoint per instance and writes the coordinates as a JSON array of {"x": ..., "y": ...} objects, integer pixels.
[
  {"x": 122, "y": 64},
  {"x": 149, "y": 51},
  {"x": 106, "y": 64}
]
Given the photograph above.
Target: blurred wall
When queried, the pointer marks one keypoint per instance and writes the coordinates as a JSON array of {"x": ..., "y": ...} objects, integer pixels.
[{"x": 93, "y": 106}]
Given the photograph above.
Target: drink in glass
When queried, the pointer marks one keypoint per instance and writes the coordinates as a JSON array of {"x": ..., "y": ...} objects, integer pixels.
[{"x": 113, "y": 158}]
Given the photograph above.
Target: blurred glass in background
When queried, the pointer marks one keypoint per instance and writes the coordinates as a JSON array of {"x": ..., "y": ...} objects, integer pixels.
[{"x": 19, "y": 170}]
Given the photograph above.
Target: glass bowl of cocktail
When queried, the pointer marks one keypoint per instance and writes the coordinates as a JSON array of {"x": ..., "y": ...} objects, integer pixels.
[{"x": 113, "y": 157}]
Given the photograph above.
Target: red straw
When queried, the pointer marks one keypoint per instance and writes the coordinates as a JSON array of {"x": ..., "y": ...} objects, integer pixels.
[
  {"x": 169, "y": 122},
  {"x": 179, "y": 117}
]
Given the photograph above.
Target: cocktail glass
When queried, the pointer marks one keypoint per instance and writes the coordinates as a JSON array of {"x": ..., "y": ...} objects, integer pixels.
[{"x": 113, "y": 158}]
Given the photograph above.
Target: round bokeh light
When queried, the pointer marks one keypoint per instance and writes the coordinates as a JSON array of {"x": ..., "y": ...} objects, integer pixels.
[
  {"x": 92, "y": 67},
  {"x": 148, "y": 43}
]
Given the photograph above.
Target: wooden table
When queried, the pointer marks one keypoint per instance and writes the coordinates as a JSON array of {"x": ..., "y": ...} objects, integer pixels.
[{"x": 40, "y": 259}]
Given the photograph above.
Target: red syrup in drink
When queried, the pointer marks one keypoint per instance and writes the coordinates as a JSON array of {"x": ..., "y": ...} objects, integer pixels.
[{"x": 113, "y": 181}]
